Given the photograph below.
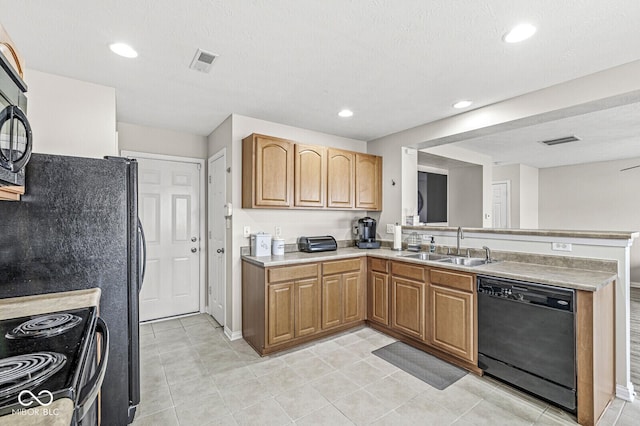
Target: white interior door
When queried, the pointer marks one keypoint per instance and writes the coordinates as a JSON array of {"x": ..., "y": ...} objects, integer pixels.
[
  {"x": 168, "y": 205},
  {"x": 501, "y": 210},
  {"x": 217, "y": 233}
]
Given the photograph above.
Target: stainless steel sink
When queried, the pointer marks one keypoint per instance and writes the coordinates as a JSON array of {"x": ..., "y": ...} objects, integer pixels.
[
  {"x": 427, "y": 256},
  {"x": 465, "y": 261}
]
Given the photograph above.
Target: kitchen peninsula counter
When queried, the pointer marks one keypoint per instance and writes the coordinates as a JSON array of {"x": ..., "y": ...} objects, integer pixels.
[{"x": 574, "y": 278}]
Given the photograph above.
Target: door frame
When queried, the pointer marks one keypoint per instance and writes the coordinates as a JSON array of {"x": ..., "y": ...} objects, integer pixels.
[
  {"x": 220, "y": 154},
  {"x": 202, "y": 213},
  {"x": 508, "y": 183}
]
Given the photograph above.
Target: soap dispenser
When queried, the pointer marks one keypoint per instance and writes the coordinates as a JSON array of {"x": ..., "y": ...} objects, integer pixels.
[{"x": 432, "y": 245}]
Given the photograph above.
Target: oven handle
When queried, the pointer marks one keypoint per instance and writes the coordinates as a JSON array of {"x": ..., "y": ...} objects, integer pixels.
[{"x": 90, "y": 391}]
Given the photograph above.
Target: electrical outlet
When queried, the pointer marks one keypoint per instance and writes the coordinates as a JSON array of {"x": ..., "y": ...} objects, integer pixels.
[
  {"x": 247, "y": 231},
  {"x": 561, "y": 246},
  {"x": 278, "y": 231},
  {"x": 389, "y": 228},
  {"x": 426, "y": 237}
]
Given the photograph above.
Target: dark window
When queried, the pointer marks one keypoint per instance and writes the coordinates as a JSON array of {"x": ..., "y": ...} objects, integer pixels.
[{"x": 432, "y": 197}]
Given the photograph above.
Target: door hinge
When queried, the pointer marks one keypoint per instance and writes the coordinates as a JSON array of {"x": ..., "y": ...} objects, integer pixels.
[
  {"x": 209, "y": 290},
  {"x": 209, "y": 234},
  {"x": 209, "y": 179},
  {"x": 199, "y": 166}
]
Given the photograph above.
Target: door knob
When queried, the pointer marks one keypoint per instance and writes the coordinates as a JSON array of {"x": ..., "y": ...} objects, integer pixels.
[
  {"x": 194, "y": 239},
  {"x": 220, "y": 250},
  {"x": 193, "y": 249}
]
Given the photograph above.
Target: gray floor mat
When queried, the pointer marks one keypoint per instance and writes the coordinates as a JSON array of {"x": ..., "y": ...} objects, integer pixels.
[{"x": 434, "y": 371}]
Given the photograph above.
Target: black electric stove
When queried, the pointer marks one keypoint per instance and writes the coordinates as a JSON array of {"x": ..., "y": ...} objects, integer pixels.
[{"x": 42, "y": 357}]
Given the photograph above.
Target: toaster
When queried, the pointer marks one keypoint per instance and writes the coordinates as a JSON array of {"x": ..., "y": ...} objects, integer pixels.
[{"x": 316, "y": 244}]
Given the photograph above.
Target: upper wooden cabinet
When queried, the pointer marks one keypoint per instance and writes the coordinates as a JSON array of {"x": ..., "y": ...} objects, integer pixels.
[
  {"x": 340, "y": 179},
  {"x": 281, "y": 174},
  {"x": 310, "y": 171},
  {"x": 267, "y": 172},
  {"x": 368, "y": 178}
]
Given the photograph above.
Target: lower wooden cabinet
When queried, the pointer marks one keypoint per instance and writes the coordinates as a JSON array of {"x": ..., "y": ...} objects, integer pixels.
[
  {"x": 306, "y": 307},
  {"x": 293, "y": 310},
  {"x": 287, "y": 305},
  {"x": 281, "y": 316},
  {"x": 408, "y": 307},
  {"x": 452, "y": 322},
  {"x": 378, "y": 297},
  {"x": 342, "y": 299}
]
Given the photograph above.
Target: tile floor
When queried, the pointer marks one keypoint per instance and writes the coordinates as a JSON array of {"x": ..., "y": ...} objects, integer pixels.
[{"x": 191, "y": 374}]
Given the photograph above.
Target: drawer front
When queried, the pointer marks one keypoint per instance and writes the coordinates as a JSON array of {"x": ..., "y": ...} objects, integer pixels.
[
  {"x": 340, "y": 266},
  {"x": 379, "y": 265},
  {"x": 291, "y": 273},
  {"x": 452, "y": 279},
  {"x": 408, "y": 270}
]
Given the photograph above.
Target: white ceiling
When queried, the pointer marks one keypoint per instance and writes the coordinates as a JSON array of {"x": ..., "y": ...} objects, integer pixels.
[
  {"x": 608, "y": 134},
  {"x": 297, "y": 62}
]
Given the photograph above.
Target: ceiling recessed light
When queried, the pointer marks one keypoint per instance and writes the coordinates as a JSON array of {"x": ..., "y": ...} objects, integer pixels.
[
  {"x": 123, "y": 49},
  {"x": 345, "y": 113},
  {"x": 462, "y": 104},
  {"x": 519, "y": 33}
]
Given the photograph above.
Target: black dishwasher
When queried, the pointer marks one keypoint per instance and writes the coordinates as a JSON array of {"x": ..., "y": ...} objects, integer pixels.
[{"x": 526, "y": 337}]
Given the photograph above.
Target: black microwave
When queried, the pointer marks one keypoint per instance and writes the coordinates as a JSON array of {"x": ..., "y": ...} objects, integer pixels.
[{"x": 15, "y": 132}]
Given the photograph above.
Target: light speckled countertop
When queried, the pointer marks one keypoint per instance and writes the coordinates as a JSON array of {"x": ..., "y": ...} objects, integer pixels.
[
  {"x": 579, "y": 279},
  {"x": 16, "y": 307}
]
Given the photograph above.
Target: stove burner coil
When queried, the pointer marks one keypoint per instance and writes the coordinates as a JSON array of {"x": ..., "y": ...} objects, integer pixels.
[
  {"x": 23, "y": 372},
  {"x": 44, "y": 326}
]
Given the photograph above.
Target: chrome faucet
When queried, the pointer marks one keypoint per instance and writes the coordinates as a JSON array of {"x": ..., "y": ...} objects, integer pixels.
[
  {"x": 487, "y": 253},
  {"x": 459, "y": 237}
]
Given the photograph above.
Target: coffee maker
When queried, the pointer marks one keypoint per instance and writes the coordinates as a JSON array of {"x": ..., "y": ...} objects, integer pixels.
[{"x": 367, "y": 234}]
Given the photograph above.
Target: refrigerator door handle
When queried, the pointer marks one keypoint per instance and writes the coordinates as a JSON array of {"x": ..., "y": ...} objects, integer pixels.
[{"x": 143, "y": 249}]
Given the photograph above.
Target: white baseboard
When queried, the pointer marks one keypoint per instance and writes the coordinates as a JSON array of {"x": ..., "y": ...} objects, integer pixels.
[
  {"x": 625, "y": 392},
  {"x": 232, "y": 335}
]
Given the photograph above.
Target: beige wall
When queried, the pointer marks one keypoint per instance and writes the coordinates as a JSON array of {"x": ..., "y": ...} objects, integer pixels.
[
  {"x": 524, "y": 193},
  {"x": 71, "y": 117},
  {"x": 293, "y": 223},
  {"x": 595, "y": 196},
  {"x": 465, "y": 196},
  {"x": 132, "y": 137}
]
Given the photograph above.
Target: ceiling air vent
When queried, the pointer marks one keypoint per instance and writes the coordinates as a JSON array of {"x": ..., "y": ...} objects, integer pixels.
[
  {"x": 203, "y": 61},
  {"x": 559, "y": 141}
]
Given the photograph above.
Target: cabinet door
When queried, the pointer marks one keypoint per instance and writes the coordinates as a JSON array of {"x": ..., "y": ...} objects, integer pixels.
[
  {"x": 352, "y": 301},
  {"x": 340, "y": 178},
  {"x": 281, "y": 320},
  {"x": 307, "y": 307},
  {"x": 452, "y": 321},
  {"x": 368, "y": 182},
  {"x": 273, "y": 172},
  {"x": 378, "y": 297},
  {"x": 408, "y": 306},
  {"x": 310, "y": 164},
  {"x": 331, "y": 301}
]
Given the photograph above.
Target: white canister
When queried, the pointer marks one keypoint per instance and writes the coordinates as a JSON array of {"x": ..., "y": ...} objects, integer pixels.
[
  {"x": 260, "y": 244},
  {"x": 277, "y": 247}
]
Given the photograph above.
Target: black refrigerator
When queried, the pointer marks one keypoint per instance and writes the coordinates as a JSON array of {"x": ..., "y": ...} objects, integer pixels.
[{"x": 77, "y": 227}]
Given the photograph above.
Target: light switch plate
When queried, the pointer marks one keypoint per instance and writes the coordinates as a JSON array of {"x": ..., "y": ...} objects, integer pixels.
[
  {"x": 247, "y": 231},
  {"x": 389, "y": 228},
  {"x": 561, "y": 246}
]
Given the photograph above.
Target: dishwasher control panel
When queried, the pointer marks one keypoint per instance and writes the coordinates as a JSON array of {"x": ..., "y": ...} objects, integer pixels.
[{"x": 524, "y": 292}]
